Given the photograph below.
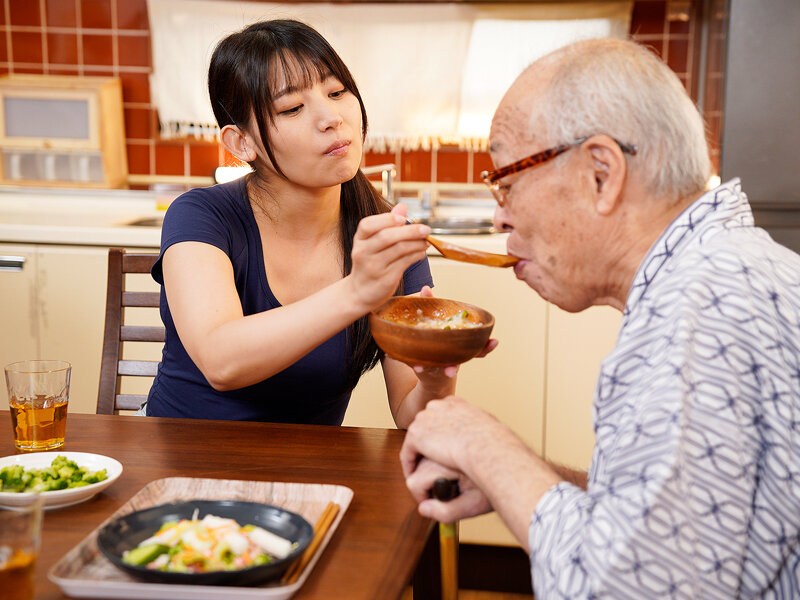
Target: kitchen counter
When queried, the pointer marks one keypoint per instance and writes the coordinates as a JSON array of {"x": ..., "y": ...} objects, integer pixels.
[
  {"x": 104, "y": 217},
  {"x": 85, "y": 217}
]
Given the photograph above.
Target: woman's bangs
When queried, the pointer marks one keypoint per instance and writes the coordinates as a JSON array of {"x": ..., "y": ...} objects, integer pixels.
[{"x": 292, "y": 71}]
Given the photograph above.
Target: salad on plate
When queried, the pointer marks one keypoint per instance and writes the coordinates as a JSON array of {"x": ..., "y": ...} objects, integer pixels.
[
  {"x": 210, "y": 544},
  {"x": 61, "y": 474}
]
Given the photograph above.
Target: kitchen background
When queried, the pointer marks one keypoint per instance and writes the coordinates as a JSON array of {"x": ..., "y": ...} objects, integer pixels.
[
  {"x": 728, "y": 53},
  {"x": 112, "y": 38}
]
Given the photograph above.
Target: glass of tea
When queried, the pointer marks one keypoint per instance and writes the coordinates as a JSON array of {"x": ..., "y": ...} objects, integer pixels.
[
  {"x": 19, "y": 544},
  {"x": 38, "y": 393}
]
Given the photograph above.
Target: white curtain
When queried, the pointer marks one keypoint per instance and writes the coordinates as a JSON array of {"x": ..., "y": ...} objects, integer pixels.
[{"x": 428, "y": 73}]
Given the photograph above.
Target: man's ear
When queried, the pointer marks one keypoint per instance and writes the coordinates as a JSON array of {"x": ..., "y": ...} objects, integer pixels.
[
  {"x": 610, "y": 170},
  {"x": 238, "y": 142}
]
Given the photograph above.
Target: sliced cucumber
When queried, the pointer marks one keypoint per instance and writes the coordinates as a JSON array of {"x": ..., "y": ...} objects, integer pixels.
[{"x": 144, "y": 555}]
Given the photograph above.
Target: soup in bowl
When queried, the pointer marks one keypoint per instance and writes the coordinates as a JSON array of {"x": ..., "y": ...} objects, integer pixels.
[{"x": 430, "y": 332}]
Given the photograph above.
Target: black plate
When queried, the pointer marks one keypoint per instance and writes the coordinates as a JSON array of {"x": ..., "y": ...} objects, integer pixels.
[{"x": 128, "y": 531}]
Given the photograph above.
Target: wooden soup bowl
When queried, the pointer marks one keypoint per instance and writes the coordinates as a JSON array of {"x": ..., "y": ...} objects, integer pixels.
[{"x": 394, "y": 327}]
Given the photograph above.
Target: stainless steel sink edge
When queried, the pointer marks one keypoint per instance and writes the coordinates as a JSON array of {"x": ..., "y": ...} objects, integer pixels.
[{"x": 438, "y": 225}]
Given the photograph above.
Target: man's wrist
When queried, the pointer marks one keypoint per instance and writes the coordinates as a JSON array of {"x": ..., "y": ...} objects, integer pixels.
[{"x": 484, "y": 447}]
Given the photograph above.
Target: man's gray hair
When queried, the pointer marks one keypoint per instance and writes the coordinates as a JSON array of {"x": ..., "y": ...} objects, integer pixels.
[{"x": 623, "y": 90}]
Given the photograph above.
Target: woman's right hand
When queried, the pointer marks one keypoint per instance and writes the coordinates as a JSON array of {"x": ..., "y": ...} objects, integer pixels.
[{"x": 383, "y": 248}]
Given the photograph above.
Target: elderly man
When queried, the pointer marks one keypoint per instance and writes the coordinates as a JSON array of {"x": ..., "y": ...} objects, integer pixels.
[{"x": 694, "y": 485}]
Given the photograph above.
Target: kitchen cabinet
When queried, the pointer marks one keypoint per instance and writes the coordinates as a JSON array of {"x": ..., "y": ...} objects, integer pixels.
[
  {"x": 58, "y": 130},
  {"x": 58, "y": 302},
  {"x": 19, "y": 325},
  {"x": 72, "y": 304},
  {"x": 576, "y": 345}
]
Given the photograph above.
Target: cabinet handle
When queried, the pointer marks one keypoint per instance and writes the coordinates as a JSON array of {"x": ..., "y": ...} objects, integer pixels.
[{"x": 12, "y": 263}]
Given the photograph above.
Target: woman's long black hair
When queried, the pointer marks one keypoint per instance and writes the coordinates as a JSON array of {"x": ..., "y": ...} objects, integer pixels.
[{"x": 241, "y": 83}]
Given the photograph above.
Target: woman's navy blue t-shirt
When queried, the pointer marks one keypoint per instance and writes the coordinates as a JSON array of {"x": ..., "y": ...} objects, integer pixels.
[{"x": 312, "y": 390}]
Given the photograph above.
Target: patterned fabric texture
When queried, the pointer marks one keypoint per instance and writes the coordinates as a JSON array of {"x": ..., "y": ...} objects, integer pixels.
[{"x": 694, "y": 486}]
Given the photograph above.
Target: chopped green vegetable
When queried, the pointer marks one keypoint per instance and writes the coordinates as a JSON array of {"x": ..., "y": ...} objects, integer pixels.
[
  {"x": 262, "y": 559},
  {"x": 60, "y": 475},
  {"x": 144, "y": 554}
]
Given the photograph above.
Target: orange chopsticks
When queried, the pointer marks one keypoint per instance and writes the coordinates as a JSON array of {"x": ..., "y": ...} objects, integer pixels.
[{"x": 320, "y": 529}]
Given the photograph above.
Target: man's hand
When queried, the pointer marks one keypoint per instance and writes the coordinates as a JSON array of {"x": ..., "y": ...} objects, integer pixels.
[
  {"x": 494, "y": 467},
  {"x": 444, "y": 432},
  {"x": 469, "y": 503}
]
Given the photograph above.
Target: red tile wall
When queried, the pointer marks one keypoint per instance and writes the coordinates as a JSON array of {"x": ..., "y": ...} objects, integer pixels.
[{"x": 112, "y": 38}]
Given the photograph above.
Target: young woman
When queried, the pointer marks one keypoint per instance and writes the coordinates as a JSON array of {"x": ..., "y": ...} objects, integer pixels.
[{"x": 267, "y": 280}]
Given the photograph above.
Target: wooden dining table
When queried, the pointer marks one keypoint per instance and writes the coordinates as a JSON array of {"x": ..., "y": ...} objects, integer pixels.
[{"x": 381, "y": 546}]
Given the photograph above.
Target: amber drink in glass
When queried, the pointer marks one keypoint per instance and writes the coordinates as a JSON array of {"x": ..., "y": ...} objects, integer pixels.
[
  {"x": 38, "y": 393},
  {"x": 19, "y": 545}
]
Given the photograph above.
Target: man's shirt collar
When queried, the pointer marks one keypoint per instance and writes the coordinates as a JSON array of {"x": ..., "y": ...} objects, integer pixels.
[{"x": 724, "y": 207}]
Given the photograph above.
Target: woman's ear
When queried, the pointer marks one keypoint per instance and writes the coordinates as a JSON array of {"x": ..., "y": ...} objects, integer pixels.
[
  {"x": 610, "y": 170},
  {"x": 238, "y": 143}
]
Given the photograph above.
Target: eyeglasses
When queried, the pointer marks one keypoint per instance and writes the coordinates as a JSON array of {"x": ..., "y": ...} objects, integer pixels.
[{"x": 491, "y": 178}]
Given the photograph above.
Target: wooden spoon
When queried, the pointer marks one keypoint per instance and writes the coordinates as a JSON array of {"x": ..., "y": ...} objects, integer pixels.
[{"x": 455, "y": 252}]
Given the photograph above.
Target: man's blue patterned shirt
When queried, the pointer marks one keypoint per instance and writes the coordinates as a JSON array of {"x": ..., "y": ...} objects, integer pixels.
[{"x": 694, "y": 486}]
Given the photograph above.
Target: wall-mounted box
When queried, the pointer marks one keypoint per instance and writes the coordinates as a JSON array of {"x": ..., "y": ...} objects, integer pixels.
[{"x": 62, "y": 131}]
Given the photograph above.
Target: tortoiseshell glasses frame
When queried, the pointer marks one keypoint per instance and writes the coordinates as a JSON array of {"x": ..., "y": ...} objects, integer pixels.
[{"x": 491, "y": 178}]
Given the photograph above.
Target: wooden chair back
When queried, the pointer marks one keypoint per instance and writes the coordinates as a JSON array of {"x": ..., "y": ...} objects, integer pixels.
[{"x": 113, "y": 367}]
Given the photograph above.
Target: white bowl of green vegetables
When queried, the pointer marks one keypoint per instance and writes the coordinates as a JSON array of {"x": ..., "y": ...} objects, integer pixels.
[{"x": 62, "y": 478}]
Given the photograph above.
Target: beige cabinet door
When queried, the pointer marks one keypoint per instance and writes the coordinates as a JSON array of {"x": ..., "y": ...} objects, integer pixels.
[
  {"x": 509, "y": 383},
  {"x": 72, "y": 299},
  {"x": 577, "y": 344},
  {"x": 19, "y": 309},
  {"x": 369, "y": 405}
]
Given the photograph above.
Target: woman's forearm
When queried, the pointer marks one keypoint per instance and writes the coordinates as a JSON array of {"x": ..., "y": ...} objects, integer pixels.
[
  {"x": 417, "y": 399},
  {"x": 410, "y": 393},
  {"x": 243, "y": 351},
  {"x": 232, "y": 350}
]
